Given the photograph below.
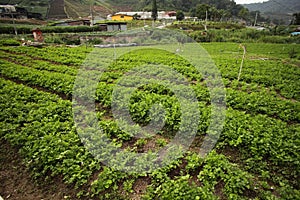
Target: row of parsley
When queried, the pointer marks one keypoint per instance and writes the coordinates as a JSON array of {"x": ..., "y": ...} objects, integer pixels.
[
  {"x": 257, "y": 102},
  {"x": 41, "y": 124},
  {"x": 239, "y": 142}
]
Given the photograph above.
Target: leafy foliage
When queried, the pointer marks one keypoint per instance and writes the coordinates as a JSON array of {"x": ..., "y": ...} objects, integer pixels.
[{"x": 256, "y": 156}]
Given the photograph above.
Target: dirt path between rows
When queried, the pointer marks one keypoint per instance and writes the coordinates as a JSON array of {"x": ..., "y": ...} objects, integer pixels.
[{"x": 17, "y": 184}]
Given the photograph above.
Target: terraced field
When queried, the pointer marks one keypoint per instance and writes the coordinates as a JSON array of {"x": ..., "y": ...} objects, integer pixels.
[
  {"x": 256, "y": 156},
  {"x": 57, "y": 10},
  {"x": 75, "y": 9},
  {"x": 61, "y": 9}
]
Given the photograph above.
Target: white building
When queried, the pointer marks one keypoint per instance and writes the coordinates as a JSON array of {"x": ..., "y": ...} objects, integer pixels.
[{"x": 147, "y": 15}]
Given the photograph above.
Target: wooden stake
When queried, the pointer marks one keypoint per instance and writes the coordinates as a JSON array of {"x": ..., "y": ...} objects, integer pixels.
[{"x": 242, "y": 63}]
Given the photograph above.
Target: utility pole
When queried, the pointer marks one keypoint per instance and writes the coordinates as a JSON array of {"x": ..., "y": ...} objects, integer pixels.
[
  {"x": 154, "y": 14},
  {"x": 255, "y": 19},
  {"x": 206, "y": 18},
  {"x": 14, "y": 24},
  {"x": 91, "y": 11}
]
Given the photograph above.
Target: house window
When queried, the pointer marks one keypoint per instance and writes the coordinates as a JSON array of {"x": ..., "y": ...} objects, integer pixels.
[{"x": 122, "y": 16}]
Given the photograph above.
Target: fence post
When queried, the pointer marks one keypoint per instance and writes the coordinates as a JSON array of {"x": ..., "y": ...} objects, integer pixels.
[{"x": 242, "y": 63}]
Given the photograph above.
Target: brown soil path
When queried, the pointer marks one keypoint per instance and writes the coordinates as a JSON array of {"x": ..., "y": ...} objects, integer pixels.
[{"x": 17, "y": 184}]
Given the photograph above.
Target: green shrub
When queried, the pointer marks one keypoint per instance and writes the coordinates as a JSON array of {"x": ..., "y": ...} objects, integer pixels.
[
  {"x": 69, "y": 29},
  {"x": 71, "y": 41},
  {"x": 53, "y": 39},
  {"x": 95, "y": 41},
  {"x": 241, "y": 35},
  {"x": 9, "y": 29},
  {"x": 293, "y": 53},
  {"x": 201, "y": 36},
  {"x": 279, "y": 39},
  {"x": 9, "y": 42}
]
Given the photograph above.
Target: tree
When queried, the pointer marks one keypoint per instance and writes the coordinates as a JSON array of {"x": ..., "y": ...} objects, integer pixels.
[
  {"x": 213, "y": 13},
  {"x": 154, "y": 10},
  {"x": 224, "y": 15},
  {"x": 201, "y": 10},
  {"x": 255, "y": 15},
  {"x": 235, "y": 9},
  {"x": 179, "y": 15},
  {"x": 244, "y": 13}
]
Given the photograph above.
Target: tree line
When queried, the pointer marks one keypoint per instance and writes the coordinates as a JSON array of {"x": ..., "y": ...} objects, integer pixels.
[{"x": 213, "y": 10}]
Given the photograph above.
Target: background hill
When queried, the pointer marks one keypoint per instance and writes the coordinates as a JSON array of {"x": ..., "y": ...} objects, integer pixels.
[
  {"x": 81, "y": 8},
  {"x": 276, "y": 9},
  {"x": 40, "y": 6},
  {"x": 64, "y": 8},
  {"x": 184, "y": 5},
  {"x": 280, "y": 10}
]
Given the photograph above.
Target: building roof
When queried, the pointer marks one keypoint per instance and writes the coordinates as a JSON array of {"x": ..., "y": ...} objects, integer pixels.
[
  {"x": 122, "y": 14},
  {"x": 147, "y": 15},
  {"x": 295, "y": 33},
  {"x": 9, "y": 7}
]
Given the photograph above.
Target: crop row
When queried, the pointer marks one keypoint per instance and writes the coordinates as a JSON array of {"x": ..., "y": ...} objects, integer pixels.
[
  {"x": 251, "y": 137},
  {"x": 268, "y": 72},
  {"x": 256, "y": 102},
  {"x": 276, "y": 76},
  {"x": 258, "y": 137},
  {"x": 138, "y": 109},
  {"x": 62, "y": 55},
  {"x": 260, "y": 101},
  {"x": 53, "y": 81},
  {"x": 271, "y": 73},
  {"x": 42, "y": 125},
  {"x": 38, "y": 64}
]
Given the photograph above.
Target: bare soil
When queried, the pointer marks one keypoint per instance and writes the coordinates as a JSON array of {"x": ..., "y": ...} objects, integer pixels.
[{"x": 16, "y": 182}]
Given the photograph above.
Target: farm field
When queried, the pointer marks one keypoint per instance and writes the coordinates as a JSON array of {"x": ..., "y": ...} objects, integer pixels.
[
  {"x": 56, "y": 9},
  {"x": 255, "y": 157}
]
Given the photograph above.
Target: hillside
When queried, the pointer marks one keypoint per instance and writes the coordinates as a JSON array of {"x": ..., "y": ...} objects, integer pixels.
[
  {"x": 57, "y": 10},
  {"x": 276, "y": 9},
  {"x": 81, "y": 8},
  {"x": 64, "y": 8},
  {"x": 40, "y": 6},
  {"x": 276, "y": 6},
  {"x": 184, "y": 5}
]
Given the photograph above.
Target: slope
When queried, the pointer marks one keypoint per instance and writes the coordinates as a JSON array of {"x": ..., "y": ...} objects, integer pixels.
[
  {"x": 279, "y": 11},
  {"x": 81, "y": 8},
  {"x": 64, "y": 8},
  {"x": 275, "y": 6},
  {"x": 57, "y": 10},
  {"x": 39, "y": 6}
]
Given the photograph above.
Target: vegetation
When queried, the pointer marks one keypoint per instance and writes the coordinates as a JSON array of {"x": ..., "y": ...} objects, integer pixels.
[
  {"x": 73, "y": 8},
  {"x": 296, "y": 20},
  {"x": 9, "y": 42},
  {"x": 154, "y": 10},
  {"x": 242, "y": 35},
  {"x": 25, "y": 29},
  {"x": 272, "y": 11},
  {"x": 278, "y": 11},
  {"x": 254, "y": 158},
  {"x": 179, "y": 15},
  {"x": 275, "y": 6},
  {"x": 256, "y": 155},
  {"x": 80, "y": 8},
  {"x": 235, "y": 32}
]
